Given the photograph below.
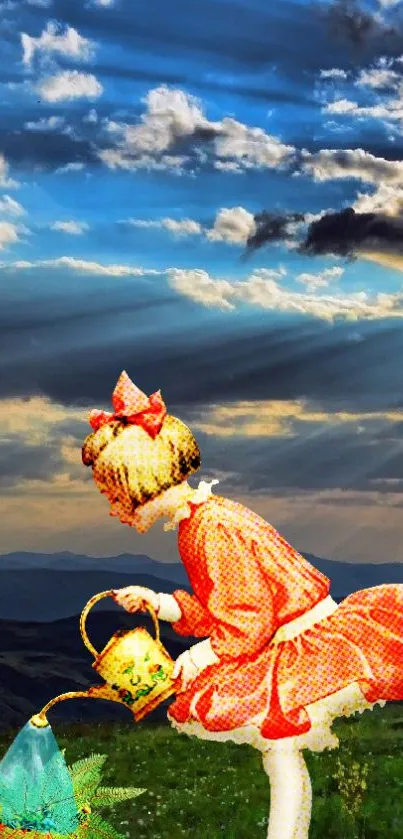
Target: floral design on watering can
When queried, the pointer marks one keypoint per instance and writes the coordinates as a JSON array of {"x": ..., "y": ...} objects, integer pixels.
[{"x": 137, "y": 668}]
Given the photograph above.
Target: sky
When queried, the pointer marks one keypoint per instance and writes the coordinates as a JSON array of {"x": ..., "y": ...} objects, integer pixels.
[{"x": 208, "y": 195}]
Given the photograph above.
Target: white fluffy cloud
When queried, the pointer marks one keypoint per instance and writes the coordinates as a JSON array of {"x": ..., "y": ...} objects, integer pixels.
[
  {"x": 233, "y": 226},
  {"x": 81, "y": 265},
  {"x": 387, "y": 199},
  {"x": 181, "y": 227},
  {"x": 69, "y": 84},
  {"x": 386, "y": 86},
  {"x": 73, "y": 228},
  {"x": 378, "y": 77},
  {"x": 322, "y": 280},
  {"x": 172, "y": 116},
  {"x": 56, "y": 39},
  {"x": 330, "y": 164},
  {"x": 263, "y": 288}
]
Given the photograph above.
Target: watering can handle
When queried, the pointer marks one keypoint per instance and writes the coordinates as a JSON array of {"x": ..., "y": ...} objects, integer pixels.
[{"x": 89, "y": 606}]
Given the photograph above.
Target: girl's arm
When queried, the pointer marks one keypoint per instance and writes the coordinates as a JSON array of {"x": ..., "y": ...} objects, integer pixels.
[
  {"x": 187, "y": 615},
  {"x": 240, "y": 600}
]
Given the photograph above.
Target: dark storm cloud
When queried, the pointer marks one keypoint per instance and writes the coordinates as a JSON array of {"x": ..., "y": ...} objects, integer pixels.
[
  {"x": 347, "y": 232},
  {"x": 344, "y": 233},
  {"x": 271, "y": 227},
  {"x": 350, "y": 21}
]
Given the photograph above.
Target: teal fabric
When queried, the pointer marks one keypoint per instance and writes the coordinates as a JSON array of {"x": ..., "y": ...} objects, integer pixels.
[{"x": 36, "y": 790}]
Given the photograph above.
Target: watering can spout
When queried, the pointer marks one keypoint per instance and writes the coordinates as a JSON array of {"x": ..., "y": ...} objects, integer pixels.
[{"x": 136, "y": 668}]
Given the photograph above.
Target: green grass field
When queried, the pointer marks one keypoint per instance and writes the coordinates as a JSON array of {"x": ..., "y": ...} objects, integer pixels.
[{"x": 206, "y": 790}]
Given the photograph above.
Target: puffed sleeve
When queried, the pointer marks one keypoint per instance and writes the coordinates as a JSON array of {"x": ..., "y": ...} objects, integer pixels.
[
  {"x": 240, "y": 600},
  {"x": 195, "y": 619}
]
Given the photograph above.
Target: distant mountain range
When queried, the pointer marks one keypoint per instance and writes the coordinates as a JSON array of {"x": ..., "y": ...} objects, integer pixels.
[
  {"x": 41, "y": 599},
  {"x": 47, "y": 587}
]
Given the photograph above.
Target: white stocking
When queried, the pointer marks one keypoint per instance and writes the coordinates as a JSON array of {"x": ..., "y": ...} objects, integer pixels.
[{"x": 290, "y": 794}]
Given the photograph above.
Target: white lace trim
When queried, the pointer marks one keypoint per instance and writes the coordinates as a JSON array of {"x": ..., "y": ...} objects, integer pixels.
[
  {"x": 322, "y": 713},
  {"x": 200, "y": 495}
]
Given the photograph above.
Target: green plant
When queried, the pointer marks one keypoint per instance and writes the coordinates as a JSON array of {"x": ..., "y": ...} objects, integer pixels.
[
  {"x": 89, "y": 796},
  {"x": 351, "y": 780}
]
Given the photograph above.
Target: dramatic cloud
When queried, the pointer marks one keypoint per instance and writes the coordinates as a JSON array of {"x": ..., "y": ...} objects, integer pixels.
[
  {"x": 273, "y": 227},
  {"x": 348, "y": 233},
  {"x": 174, "y": 118},
  {"x": 69, "y": 84},
  {"x": 56, "y": 39},
  {"x": 74, "y": 228}
]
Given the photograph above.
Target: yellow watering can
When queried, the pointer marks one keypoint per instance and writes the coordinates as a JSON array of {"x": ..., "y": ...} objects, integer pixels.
[{"x": 136, "y": 668}]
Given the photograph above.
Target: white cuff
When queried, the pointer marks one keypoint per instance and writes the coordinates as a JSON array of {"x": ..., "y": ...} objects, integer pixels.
[
  {"x": 169, "y": 609},
  {"x": 202, "y": 654}
]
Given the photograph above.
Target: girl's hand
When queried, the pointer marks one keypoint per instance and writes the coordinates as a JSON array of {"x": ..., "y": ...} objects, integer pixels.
[
  {"x": 133, "y": 598},
  {"x": 186, "y": 669}
]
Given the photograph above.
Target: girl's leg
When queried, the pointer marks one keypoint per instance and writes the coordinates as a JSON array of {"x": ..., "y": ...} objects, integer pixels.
[
  {"x": 302, "y": 829},
  {"x": 290, "y": 794}
]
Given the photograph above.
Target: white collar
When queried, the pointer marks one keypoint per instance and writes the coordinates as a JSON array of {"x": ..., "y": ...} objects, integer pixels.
[{"x": 200, "y": 495}]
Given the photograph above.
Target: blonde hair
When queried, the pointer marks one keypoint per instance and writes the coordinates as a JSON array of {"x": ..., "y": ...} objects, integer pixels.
[{"x": 130, "y": 465}]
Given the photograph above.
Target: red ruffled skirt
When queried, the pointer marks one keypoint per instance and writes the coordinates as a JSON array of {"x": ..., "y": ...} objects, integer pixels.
[{"x": 361, "y": 642}]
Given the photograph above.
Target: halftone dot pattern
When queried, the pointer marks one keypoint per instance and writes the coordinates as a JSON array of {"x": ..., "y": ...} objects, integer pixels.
[
  {"x": 139, "y": 451},
  {"x": 248, "y": 582}
]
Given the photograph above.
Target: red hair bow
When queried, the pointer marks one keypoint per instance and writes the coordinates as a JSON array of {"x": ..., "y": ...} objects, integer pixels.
[{"x": 132, "y": 404}]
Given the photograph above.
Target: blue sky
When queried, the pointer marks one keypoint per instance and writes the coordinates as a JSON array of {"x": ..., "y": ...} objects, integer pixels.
[{"x": 210, "y": 196}]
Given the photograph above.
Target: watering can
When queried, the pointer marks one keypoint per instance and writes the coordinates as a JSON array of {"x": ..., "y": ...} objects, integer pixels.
[{"x": 137, "y": 669}]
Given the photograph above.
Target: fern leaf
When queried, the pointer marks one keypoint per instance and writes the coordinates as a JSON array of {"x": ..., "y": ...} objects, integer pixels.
[
  {"x": 108, "y": 796},
  {"x": 100, "y": 829},
  {"x": 86, "y": 777},
  {"x": 93, "y": 761},
  {"x": 85, "y": 789}
]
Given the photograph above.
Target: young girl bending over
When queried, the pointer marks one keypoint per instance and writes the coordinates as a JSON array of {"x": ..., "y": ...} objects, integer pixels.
[{"x": 280, "y": 660}]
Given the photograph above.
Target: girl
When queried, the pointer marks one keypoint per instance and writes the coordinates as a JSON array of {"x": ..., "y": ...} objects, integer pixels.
[{"x": 281, "y": 659}]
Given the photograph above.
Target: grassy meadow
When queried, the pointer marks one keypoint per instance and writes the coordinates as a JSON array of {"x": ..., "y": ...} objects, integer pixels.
[{"x": 207, "y": 790}]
